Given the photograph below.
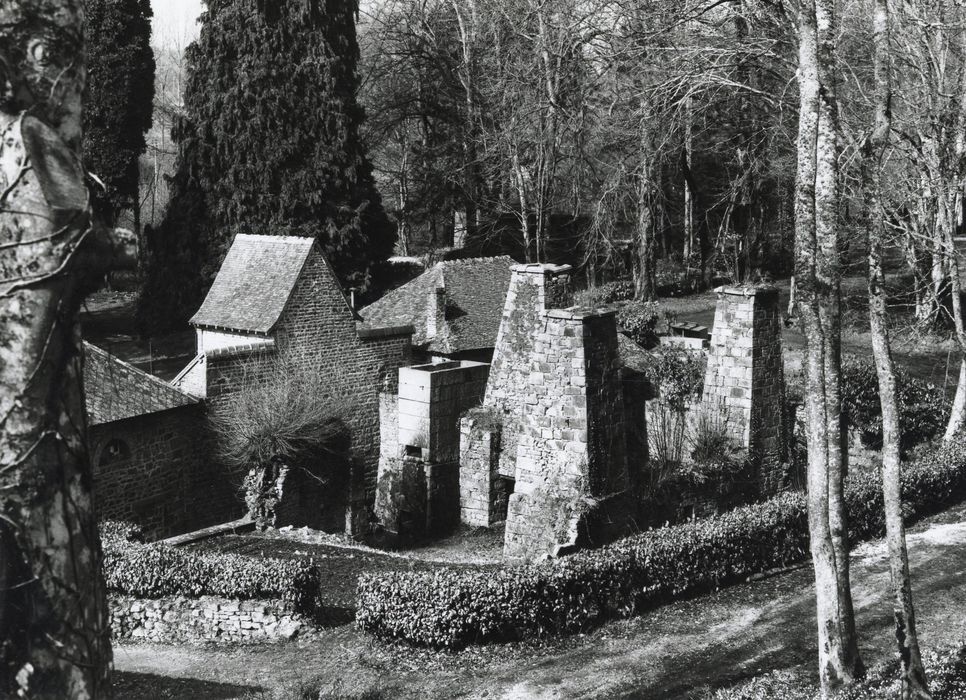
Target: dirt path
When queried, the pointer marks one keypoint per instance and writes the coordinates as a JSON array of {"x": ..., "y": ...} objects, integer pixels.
[{"x": 667, "y": 653}]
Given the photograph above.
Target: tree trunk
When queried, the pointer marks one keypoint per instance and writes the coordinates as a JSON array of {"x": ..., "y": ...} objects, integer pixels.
[
  {"x": 51, "y": 548},
  {"x": 645, "y": 282},
  {"x": 818, "y": 276},
  {"x": 913, "y": 675}
]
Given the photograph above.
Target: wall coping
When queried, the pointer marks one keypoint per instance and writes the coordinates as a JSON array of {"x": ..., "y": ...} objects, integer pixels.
[
  {"x": 576, "y": 313},
  {"x": 541, "y": 268},
  {"x": 748, "y": 290}
]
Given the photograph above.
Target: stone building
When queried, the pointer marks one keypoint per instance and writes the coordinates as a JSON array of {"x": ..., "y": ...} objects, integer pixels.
[
  {"x": 276, "y": 299},
  {"x": 150, "y": 450},
  {"x": 454, "y": 309}
]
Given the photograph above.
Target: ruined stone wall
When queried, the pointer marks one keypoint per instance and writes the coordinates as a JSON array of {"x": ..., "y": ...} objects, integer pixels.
[
  {"x": 165, "y": 479},
  {"x": 532, "y": 290},
  {"x": 482, "y": 502},
  {"x": 571, "y": 447},
  {"x": 745, "y": 376},
  {"x": 431, "y": 400},
  {"x": 418, "y": 489}
]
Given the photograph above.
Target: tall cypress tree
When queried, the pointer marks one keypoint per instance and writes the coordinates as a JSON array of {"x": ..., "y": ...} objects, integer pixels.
[
  {"x": 270, "y": 142},
  {"x": 120, "y": 98}
]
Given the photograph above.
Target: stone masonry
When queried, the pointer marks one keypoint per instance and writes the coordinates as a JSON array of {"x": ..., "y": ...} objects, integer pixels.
[
  {"x": 207, "y": 619},
  {"x": 533, "y": 289},
  {"x": 418, "y": 488},
  {"x": 745, "y": 377},
  {"x": 483, "y": 492},
  {"x": 571, "y": 448}
]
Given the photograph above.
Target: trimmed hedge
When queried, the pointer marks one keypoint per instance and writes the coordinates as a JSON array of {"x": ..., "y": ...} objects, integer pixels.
[
  {"x": 155, "y": 570},
  {"x": 452, "y": 608}
]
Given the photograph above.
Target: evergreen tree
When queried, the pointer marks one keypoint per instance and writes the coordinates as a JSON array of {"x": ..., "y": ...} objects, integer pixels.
[
  {"x": 270, "y": 142},
  {"x": 120, "y": 94}
]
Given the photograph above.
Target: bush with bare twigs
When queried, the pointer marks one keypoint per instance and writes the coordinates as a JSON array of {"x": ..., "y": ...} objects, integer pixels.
[{"x": 287, "y": 428}]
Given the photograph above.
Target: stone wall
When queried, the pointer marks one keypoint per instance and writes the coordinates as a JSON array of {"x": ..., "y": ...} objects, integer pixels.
[
  {"x": 418, "y": 490},
  {"x": 482, "y": 501},
  {"x": 533, "y": 289},
  {"x": 431, "y": 400},
  {"x": 571, "y": 450},
  {"x": 203, "y": 620},
  {"x": 745, "y": 377},
  {"x": 156, "y": 470}
]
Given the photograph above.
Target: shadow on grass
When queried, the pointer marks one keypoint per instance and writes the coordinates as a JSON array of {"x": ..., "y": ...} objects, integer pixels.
[{"x": 148, "y": 686}]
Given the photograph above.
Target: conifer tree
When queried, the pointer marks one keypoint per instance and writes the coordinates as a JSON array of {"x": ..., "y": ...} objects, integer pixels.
[
  {"x": 270, "y": 143},
  {"x": 120, "y": 94}
]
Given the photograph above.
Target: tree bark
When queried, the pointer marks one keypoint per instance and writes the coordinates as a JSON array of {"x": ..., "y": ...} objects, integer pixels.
[
  {"x": 51, "y": 550},
  {"x": 913, "y": 675},
  {"x": 818, "y": 277}
]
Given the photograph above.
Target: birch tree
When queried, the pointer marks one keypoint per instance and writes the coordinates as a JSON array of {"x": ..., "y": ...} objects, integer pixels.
[
  {"x": 912, "y": 673},
  {"x": 53, "y": 609},
  {"x": 818, "y": 276}
]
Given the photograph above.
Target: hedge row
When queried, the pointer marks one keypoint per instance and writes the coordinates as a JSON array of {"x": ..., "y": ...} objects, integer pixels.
[
  {"x": 154, "y": 570},
  {"x": 452, "y": 608}
]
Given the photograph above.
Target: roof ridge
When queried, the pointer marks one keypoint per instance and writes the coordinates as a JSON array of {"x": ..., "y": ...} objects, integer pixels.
[
  {"x": 277, "y": 237},
  {"x": 471, "y": 260}
]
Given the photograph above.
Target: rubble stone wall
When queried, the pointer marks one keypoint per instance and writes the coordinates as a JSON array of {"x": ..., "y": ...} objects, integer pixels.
[
  {"x": 481, "y": 503},
  {"x": 203, "y": 620},
  {"x": 162, "y": 477}
]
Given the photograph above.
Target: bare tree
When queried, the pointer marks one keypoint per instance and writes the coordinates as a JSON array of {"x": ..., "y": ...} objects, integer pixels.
[
  {"x": 818, "y": 277},
  {"x": 913, "y": 674},
  {"x": 53, "y": 610}
]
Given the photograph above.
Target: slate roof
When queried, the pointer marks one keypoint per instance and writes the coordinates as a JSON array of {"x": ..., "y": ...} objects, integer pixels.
[
  {"x": 115, "y": 390},
  {"x": 474, "y": 291},
  {"x": 254, "y": 283}
]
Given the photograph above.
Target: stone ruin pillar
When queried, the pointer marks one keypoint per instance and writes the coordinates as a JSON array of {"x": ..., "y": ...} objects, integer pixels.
[
  {"x": 570, "y": 453},
  {"x": 533, "y": 289},
  {"x": 745, "y": 377}
]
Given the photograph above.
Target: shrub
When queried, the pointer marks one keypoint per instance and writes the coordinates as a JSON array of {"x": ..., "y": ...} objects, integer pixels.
[
  {"x": 639, "y": 320},
  {"x": 923, "y": 409},
  {"x": 608, "y": 293},
  {"x": 679, "y": 376},
  {"x": 154, "y": 570},
  {"x": 452, "y": 608},
  {"x": 286, "y": 418}
]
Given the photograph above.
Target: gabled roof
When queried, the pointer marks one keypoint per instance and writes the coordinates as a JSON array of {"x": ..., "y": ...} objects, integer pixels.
[
  {"x": 474, "y": 291},
  {"x": 115, "y": 390},
  {"x": 254, "y": 283}
]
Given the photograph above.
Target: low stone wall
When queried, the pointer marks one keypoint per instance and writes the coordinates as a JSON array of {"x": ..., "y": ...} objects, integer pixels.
[{"x": 204, "y": 619}]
